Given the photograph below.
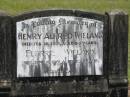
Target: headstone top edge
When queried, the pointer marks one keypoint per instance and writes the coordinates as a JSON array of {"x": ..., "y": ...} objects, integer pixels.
[
  {"x": 119, "y": 12},
  {"x": 56, "y": 9}
]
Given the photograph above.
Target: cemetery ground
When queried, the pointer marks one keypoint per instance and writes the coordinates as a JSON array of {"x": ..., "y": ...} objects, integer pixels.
[{"x": 15, "y": 7}]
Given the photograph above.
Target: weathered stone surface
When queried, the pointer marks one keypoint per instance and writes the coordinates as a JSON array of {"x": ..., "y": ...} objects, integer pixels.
[
  {"x": 60, "y": 85},
  {"x": 5, "y": 54},
  {"x": 113, "y": 82},
  {"x": 118, "y": 53}
]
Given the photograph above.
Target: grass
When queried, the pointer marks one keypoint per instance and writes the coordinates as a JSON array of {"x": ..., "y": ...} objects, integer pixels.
[
  {"x": 15, "y": 7},
  {"x": 18, "y": 6}
]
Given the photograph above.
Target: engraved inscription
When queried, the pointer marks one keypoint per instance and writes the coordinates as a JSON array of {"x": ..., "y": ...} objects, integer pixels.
[{"x": 59, "y": 46}]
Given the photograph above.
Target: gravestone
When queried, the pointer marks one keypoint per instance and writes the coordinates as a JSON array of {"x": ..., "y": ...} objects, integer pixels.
[
  {"x": 65, "y": 53},
  {"x": 118, "y": 53},
  {"x": 5, "y": 56}
]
